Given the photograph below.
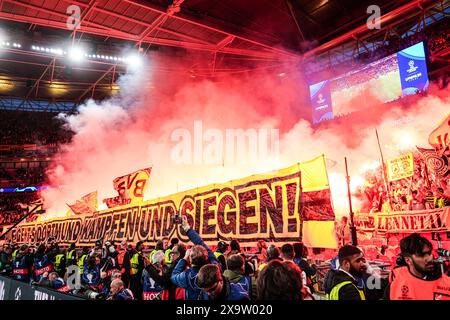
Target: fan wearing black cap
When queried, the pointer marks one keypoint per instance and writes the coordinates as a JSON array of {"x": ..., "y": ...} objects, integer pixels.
[{"x": 222, "y": 247}]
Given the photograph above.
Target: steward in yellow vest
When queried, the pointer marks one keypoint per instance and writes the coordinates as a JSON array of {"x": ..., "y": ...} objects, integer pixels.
[
  {"x": 222, "y": 247},
  {"x": 341, "y": 284},
  {"x": 71, "y": 256}
]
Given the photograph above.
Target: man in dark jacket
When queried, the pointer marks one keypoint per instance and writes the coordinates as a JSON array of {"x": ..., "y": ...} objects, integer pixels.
[
  {"x": 222, "y": 247},
  {"x": 5, "y": 260},
  {"x": 136, "y": 268},
  {"x": 198, "y": 256},
  {"x": 341, "y": 284}
]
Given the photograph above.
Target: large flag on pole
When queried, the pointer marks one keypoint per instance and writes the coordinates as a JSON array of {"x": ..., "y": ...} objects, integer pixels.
[
  {"x": 436, "y": 163},
  {"x": 440, "y": 137},
  {"x": 317, "y": 213},
  {"x": 86, "y": 205}
]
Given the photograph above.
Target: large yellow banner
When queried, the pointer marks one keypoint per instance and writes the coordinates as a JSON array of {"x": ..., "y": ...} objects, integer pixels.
[{"x": 272, "y": 206}]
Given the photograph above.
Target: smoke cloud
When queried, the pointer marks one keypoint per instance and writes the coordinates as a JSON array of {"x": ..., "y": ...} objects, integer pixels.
[{"x": 133, "y": 130}]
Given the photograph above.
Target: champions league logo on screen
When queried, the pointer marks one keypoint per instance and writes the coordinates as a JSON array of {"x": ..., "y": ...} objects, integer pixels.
[
  {"x": 321, "y": 100},
  {"x": 412, "y": 68}
]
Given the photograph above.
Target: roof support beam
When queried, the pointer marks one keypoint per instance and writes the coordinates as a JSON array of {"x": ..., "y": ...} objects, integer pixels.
[
  {"x": 36, "y": 83},
  {"x": 269, "y": 54},
  {"x": 92, "y": 87},
  {"x": 291, "y": 10},
  {"x": 390, "y": 19}
]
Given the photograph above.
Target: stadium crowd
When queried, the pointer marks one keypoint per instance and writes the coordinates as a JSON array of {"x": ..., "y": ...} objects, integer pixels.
[
  {"x": 423, "y": 190},
  {"x": 178, "y": 271},
  {"x": 22, "y": 127}
]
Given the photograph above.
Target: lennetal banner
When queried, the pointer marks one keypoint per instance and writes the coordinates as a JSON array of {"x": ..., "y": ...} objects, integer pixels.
[
  {"x": 436, "y": 220},
  {"x": 278, "y": 206}
]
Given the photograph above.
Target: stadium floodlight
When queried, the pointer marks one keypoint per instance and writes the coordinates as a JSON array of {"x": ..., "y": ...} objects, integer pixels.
[
  {"x": 76, "y": 54},
  {"x": 134, "y": 61}
]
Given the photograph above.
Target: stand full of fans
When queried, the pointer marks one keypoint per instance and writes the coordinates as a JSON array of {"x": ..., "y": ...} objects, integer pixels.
[{"x": 175, "y": 271}]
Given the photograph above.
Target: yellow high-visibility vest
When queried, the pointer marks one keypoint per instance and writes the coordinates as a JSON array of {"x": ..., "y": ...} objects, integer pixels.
[
  {"x": 81, "y": 263},
  {"x": 134, "y": 264},
  {"x": 334, "y": 294},
  {"x": 58, "y": 259}
]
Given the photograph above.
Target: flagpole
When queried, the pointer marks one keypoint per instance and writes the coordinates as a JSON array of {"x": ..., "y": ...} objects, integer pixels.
[
  {"x": 352, "y": 225},
  {"x": 384, "y": 172}
]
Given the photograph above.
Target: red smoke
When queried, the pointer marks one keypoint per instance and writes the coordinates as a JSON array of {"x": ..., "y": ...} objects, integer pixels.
[{"x": 133, "y": 131}]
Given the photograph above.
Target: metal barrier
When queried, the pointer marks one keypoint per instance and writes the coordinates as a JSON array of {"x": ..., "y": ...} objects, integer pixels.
[{"x": 15, "y": 290}]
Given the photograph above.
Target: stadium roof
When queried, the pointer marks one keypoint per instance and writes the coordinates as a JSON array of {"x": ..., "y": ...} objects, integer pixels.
[{"x": 228, "y": 36}]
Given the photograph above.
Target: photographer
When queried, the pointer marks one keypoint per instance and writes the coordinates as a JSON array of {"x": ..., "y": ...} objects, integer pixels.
[
  {"x": 152, "y": 288},
  {"x": 197, "y": 257},
  {"x": 53, "y": 280},
  {"x": 5, "y": 260},
  {"x": 23, "y": 264},
  {"x": 414, "y": 278},
  {"x": 42, "y": 263}
]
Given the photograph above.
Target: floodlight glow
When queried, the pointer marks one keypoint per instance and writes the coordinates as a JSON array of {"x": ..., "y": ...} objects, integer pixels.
[
  {"x": 76, "y": 54},
  {"x": 134, "y": 60}
]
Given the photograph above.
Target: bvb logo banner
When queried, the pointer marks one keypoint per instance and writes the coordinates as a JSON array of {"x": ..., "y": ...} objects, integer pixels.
[{"x": 268, "y": 206}]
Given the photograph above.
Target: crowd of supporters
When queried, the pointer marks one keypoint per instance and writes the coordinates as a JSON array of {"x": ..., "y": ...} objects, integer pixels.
[
  {"x": 14, "y": 206},
  {"x": 424, "y": 190},
  {"x": 178, "y": 271},
  {"x": 22, "y": 127},
  {"x": 172, "y": 270},
  {"x": 22, "y": 177}
]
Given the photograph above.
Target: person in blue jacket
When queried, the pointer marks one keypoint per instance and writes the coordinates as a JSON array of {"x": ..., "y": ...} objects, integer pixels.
[
  {"x": 22, "y": 265},
  {"x": 42, "y": 263},
  {"x": 91, "y": 274},
  {"x": 217, "y": 287},
  {"x": 196, "y": 257}
]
